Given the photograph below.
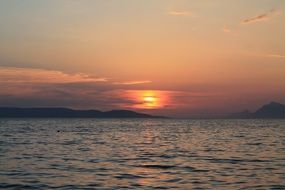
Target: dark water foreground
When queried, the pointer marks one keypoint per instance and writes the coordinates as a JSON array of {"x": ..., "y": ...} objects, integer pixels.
[{"x": 142, "y": 154}]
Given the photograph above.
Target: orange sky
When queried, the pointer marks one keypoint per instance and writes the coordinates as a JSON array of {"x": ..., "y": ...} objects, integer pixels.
[{"x": 170, "y": 57}]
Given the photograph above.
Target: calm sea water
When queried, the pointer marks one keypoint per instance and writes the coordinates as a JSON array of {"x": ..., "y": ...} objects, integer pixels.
[{"x": 142, "y": 154}]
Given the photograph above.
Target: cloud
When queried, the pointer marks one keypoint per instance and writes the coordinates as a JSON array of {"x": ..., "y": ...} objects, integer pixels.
[
  {"x": 180, "y": 13},
  {"x": 24, "y": 87},
  {"x": 27, "y": 87},
  {"x": 226, "y": 29},
  {"x": 77, "y": 92},
  {"x": 28, "y": 75},
  {"x": 275, "y": 56},
  {"x": 133, "y": 82},
  {"x": 260, "y": 18}
]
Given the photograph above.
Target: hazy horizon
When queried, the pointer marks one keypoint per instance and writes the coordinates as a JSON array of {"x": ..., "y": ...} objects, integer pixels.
[
  {"x": 242, "y": 114},
  {"x": 161, "y": 57}
]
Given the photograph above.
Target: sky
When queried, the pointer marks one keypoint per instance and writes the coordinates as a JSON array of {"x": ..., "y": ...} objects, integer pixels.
[{"x": 165, "y": 57}]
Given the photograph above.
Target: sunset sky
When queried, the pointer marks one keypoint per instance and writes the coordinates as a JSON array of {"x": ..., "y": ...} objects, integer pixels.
[{"x": 166, "y": 57}]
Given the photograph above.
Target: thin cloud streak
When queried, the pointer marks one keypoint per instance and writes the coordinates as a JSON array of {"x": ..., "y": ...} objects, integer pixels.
[
  {"x": 275, "y": 56},
  {"x": 226, "y": 29},
  {"x": 259, "y": 18},
  {"x": 180, "y": 13},
  {"x": 132, "y": 82},
  {"x": 28, "y": 75}
]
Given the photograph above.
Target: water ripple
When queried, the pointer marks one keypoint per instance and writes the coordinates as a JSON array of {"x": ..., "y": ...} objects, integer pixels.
[{"x": 141, "y": 154}]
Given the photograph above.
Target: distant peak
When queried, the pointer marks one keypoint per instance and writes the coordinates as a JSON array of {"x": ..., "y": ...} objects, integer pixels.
[
  {"x": 274, "y": 103},
  {"x": 270, "y": 110}
]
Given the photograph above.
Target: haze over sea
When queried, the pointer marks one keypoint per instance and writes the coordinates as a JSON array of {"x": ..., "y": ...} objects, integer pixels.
[{"x": 141, "y": 154}]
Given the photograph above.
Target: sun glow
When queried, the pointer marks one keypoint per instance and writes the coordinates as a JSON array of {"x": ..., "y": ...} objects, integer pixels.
[{"x": 148, "y": 99}]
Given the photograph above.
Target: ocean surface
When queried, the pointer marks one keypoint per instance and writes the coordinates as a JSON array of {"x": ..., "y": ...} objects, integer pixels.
[{"x": 142, "y": 154}]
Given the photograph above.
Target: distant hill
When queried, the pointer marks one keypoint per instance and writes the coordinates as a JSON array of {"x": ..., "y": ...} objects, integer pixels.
[
  {"x": 268, "y": 111},
  {"x": 271, "y": 110},
  {"x": 13, "y": 112}
]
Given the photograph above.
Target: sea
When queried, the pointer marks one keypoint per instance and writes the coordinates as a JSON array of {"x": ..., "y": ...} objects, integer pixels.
[{"x": 149, "y": 154}]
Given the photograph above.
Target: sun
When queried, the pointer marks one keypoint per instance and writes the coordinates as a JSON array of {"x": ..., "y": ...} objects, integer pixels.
[{"x": 149, "y": 99}]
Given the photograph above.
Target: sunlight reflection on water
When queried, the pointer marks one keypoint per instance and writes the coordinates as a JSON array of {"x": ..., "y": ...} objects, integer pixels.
[{"x": 141, "y": 154}]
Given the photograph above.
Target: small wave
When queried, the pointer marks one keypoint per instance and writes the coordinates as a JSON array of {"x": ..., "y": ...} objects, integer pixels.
[
  {"x": 233, "y": 161},
  {"x": 167, "y": 156},
  {"x": 157, "y": 166},
  {"x": 21, "y": 186},
  {"x": 173, "y": 180},
  {"x": 128, "y": 176}
]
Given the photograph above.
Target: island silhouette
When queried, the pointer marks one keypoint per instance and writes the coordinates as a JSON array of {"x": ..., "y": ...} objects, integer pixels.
[
  {"x": 14, "y": 112},
  {"x": 273, "y": 110}
]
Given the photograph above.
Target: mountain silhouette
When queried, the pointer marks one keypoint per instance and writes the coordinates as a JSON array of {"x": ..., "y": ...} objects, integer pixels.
[
  {"x": 13, "y": 112},
  {"x": 273, "y": 110}
]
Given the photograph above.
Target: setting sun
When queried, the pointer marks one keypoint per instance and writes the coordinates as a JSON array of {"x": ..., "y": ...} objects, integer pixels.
[{"x": 148, "y": 99}]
